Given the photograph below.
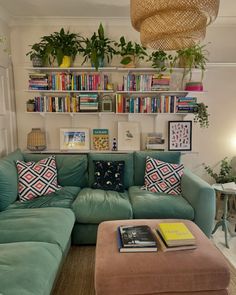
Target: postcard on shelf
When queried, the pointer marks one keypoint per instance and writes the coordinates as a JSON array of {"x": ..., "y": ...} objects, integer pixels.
[
  {"x": 128, "y": 136},
  {"x": 74, "y": 139},
  {"x": 101, "y": 139},
  {"x": 176, "y": 234},
  {"x": 136, "y": 239}
]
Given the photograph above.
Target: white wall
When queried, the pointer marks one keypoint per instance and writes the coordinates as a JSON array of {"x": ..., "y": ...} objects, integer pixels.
[{"x": 211, "y": 144}]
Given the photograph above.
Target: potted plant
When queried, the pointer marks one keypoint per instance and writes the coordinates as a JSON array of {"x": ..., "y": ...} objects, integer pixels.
[
  {"x": 225, "y": 174},
  {"x": 202, "y": 115},
  {"x": 97, "y": 48},
  {"x": 38, "y": 54},
  {"x": 160, "y": 60},
  {"x": 62, "y": 46},
  {"x": 130, "y": 52},
  {"x": 30, "y": 105},
  {"x": 190, "y": 58}
]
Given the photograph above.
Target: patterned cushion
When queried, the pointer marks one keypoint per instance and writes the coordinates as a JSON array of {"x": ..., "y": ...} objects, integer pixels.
[
  {"x": 109, "y": 175},
  {"x": 162, "y": 177},
  {"x": 37, "y": 179}
]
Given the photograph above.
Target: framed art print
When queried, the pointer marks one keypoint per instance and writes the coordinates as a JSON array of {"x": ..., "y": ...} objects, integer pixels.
[
  {"x": 74, "y": 139},
  {"x": 128, "y": 136},
  {"x": 180, "y": 135}
]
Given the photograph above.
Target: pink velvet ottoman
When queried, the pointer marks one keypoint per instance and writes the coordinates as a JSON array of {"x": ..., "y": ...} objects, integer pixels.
[{"x": 202, "y": 271}]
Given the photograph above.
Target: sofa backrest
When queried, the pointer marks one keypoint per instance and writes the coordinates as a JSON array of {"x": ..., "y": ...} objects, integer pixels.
[
  {"x": 9, "y": 179},
  {"x": 72, "y": 170},
  {"x": 140, "y": 162},
  {"x": 129, "y": 165}
]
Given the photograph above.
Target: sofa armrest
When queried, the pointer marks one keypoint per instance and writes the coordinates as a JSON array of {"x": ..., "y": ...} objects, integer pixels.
[{"x": 201, "y": 197}]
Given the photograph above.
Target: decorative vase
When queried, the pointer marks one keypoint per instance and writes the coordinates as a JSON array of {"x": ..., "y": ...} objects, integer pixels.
[
  {"x": 37, "y": 61},
  {"x": 36, "y": 140},
  {"x": 100, "y": 63},
  {"x": 66, "y": 62}
]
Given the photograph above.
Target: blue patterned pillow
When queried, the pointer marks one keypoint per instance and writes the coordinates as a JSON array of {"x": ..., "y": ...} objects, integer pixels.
[{"x": 109, "y": 175}]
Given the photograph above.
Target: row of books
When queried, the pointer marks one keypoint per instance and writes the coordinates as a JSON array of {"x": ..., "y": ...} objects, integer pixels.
[
  {"x": 68, "y": 81},
  {"x": 172, "y": 236},
  {"x": 157, "y": 104},
  {"x": 145, "y": 82},
  {"x": 75, "y": 103}
]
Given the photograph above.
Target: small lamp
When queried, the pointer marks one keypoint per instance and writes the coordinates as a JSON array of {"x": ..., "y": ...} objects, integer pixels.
[{"x": 36, "y": 140}]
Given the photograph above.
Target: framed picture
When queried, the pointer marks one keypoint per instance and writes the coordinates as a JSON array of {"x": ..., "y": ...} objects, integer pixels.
[
  {"x": 74, "y": 139},
  {"x": 180, "y": 135},
  {"x": 128, "y": 136}
]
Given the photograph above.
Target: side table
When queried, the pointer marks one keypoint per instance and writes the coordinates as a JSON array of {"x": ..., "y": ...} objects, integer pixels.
[{"x": 224, "y": 221}]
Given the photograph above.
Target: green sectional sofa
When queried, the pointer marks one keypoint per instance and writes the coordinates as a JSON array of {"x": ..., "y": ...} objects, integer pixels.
[{"x": 36, "y": 235}]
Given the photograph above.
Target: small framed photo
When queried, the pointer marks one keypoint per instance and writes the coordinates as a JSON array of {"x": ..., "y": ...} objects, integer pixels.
[
  {"x": 74, "y": 139},
  {"x": 128, "y": 136},
  {"x": 180, "y": 135}
]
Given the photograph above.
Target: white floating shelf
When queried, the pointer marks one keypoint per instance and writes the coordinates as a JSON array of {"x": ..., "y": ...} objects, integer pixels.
[
  {"x": 70, "y": 91},
  {"x": 73, "y": 69},
  {"x": 43, "y": 114}
]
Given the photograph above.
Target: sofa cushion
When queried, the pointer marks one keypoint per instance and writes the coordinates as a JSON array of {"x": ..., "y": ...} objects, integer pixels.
[
  {"x": 9, "y": 179},
  {"x": 127, "y": 158},
  {"x": 159, "y": 205},
  {"x": 140, "y": 162},
  {"x": 28, "y": 268},
  {"x": 95, "y": 206},
  {"x": 72, "y": 169},
  {"x": 109, "y": 175},
  {"x": 51, "y": 225},
  {"x": 37, "y": 179},
  {"x": 62, "y": 198},
  {"x": 162, "y": 177}
]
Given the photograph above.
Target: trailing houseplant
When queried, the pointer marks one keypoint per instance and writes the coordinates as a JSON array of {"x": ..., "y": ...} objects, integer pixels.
[
  {"x": 62, "y": 46},
  {"x": 225, "y": 174},
  {"x": 202, "y": 115},
  {"x": 97, "y": 48},
  {"x": 130, "y": 52}
]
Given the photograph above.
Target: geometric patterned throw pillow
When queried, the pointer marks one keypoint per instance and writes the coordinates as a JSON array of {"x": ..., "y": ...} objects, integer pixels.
[
  {"x": 162, "y": 177},
  {"x": 37, "y": 179},
  {"x": 109, "y": 175}
]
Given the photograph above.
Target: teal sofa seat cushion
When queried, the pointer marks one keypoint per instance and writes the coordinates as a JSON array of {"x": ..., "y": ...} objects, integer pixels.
[
  {"x": 84, "y": 234},
  {"x": 62, "y": 198},
  {"x": 158, "y": 205},
  {"x": 28, "y": 268},
  {"x": 72, "y": 169},
  {"x": 9, "y": 179},
  {"x": 95, "y": 206},
  {"x": 127, "y": 158},
  {"x": 140, "y": 162},
  {"x": 51, "y": 225}
]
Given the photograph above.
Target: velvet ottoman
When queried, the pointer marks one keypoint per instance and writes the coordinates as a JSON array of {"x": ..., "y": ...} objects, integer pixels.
[{"x": 202, "y": 271}]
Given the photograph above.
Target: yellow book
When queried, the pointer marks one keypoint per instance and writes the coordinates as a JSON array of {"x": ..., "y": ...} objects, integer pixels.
[{"x": 176, "y": 233}]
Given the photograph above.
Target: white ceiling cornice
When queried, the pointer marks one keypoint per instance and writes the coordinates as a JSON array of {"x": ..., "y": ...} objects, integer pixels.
[{"x": 119, "y": 21}]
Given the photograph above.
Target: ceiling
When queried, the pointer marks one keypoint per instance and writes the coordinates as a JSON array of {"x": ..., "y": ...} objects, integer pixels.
[{"x": 84, "y": 8}]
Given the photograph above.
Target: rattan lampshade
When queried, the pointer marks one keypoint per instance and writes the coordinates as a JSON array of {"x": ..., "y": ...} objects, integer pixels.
[
  {"x": 36, "y": 140},
  {"x": 173, "y": 24}
]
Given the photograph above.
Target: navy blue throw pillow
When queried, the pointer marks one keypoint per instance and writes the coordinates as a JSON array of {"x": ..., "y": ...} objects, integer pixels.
[{"x": 109, "y": 175}]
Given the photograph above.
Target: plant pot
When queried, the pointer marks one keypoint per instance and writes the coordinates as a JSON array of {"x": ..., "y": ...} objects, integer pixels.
[
  {"x": 131, "y": 64},
  {"x": 66, "y": 62},
  {"x": 37, "y": 61},
  {"x": 30, "y": 107},
  {"x": 100, "y": 63},
  {"x": 194, "y": 86}
]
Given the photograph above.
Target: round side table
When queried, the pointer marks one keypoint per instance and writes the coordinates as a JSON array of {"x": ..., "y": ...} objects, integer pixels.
[{"x": 224, "y": 221}]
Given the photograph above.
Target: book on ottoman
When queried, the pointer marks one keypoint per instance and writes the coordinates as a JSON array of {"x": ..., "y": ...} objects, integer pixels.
[
  {"x": 176, "y": 234},
  {"x": 136, "y": 239}
]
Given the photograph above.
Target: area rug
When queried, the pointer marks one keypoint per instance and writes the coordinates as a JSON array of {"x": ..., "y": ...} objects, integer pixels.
[{"x": 77, "y": 274}]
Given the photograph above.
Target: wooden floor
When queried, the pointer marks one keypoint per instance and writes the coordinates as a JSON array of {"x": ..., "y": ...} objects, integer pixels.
[{"x": 77, "y": 275}]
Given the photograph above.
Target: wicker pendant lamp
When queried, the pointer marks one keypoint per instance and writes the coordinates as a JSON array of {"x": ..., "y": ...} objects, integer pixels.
[{"x": 172, "y": 24}]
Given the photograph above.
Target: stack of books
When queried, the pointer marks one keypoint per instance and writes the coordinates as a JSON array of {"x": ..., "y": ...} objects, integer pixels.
[
  {"x": 174, "y": 236},
  {"x": 136, "y": 239},
  {"x": 38, "y": 81},
  {"x": 88, "y": 102},
  {"x": 187, "y": 104},
  {"x": 160, "y": 82}
]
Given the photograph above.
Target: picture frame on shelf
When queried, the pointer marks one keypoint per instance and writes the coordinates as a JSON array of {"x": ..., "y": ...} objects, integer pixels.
[
  {"x": 179, "y": 135},
  {"x": 74, "y": 139},
  {"x": 128, "y": 136}
]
